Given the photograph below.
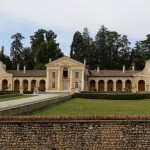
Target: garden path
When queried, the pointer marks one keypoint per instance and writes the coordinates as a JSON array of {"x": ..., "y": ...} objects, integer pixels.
[{"x": 39, "y": 97}]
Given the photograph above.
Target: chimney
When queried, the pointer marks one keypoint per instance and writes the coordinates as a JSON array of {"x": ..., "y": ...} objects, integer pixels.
[
  {"x": 124, "y": 68},
  {"x": 84, "y": 61},
  {"x": 97, "y": 69},
  {"x": 133, "y": 67},
  {"x": 17, "y": 67},
  {"x": 50, "y": 60},
  {"x": 24, "y": 69}
]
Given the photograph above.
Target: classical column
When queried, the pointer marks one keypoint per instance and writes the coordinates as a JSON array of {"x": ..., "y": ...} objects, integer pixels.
[
  {"x": 105, "y": 85},
  {"x": 70, "y": 78},
  {"x": 37, "y": 83},
  {"x": 21, "y": 87},
  {"x": 114, "y": 85},
  {"x": 58, "y": 79},
  {"x": 29, "y": 85},
  {"x": 47, "y": 80},
  {"x": 82, "y": 86},
  {"x": 123, "y": 85},
  {"x": 96, "y": 84},
  {"x": 21, "y": 83}
]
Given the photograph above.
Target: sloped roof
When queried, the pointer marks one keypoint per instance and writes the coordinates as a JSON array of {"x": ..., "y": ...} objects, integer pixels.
[
  {"x": 112, "y": 73},
  {"x": 28, "y": 73},
  {"x": 93, "y": 73}
]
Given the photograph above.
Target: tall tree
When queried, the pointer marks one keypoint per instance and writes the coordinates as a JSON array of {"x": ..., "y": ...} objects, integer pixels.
[
  {"x": 5, "y": 59},
  {"x": 77, "y": 46},
  {"x": 136, "y": 56},
  {"x": 141, "y": 52},
  {"x": 28, "y": 58},
  {"x": 44, "y": 47},
  {"x": 102, "y": 53},
  {"x": 88, "y": 46},
  {"x": 124, "y": 53},
  {"x": 16, "y": 50},
  {"x": 111, "y": 49},
  {"x": 81, "y": 46}
]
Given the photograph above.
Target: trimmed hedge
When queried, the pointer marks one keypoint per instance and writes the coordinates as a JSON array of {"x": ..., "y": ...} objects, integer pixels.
[
  {"x": 113, "y": 96},
  {"x": 15, "y": 92},
  {"x": 28, "y": 92},
  {"x": 8, "y": 92},
  {"x": 101, "y": 92}
]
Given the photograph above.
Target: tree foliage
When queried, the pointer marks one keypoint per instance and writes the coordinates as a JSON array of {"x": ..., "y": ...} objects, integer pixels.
[
  {"x": 44, "y": 47},
  {"x": 141, "y": 52},
  {"x": 16, "y": 50},
  {"x": 5, "y": 59},
  {"x": 28, "y": 59},
  {"x": 109, "y": 50},
  {"x": 81, "y": 47}
]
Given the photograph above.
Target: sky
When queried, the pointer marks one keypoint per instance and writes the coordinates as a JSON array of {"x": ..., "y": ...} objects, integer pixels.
[{"x": 65, "y": 17}]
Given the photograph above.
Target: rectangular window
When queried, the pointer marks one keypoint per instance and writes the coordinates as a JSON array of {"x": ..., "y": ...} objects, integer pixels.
[
  {"x": 76, "y": 85},
  {"x": 53, "y": 74},
  {"x": 76, "y": 74},
  {"x": 53, "y": 84}
]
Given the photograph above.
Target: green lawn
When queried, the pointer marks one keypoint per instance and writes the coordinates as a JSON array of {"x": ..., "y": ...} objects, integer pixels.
[
  {"x": 15, "y": 97},
  {"x": 86, "y": 107}
]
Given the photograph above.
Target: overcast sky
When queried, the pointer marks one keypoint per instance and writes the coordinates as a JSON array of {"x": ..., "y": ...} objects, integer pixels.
[{"x": 64, "y": 17}]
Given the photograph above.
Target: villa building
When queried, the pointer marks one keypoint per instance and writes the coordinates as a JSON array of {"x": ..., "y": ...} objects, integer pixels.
[{"x": 68, "y": 75}]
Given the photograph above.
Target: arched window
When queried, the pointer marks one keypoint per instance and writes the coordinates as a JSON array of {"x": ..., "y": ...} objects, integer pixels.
[{"x": 65, "y": 73}]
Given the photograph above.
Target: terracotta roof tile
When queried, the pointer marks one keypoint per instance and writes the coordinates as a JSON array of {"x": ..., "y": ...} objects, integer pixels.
[
  {"x": 112, "y": 73},
  {"x": 28, "y": 73}
]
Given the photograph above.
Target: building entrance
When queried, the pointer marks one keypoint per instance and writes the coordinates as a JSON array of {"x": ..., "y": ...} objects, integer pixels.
[{"x": 65, "y": 86}]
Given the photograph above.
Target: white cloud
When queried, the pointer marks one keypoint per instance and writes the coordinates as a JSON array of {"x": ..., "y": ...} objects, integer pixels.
[{"x": 129, "y": 17}]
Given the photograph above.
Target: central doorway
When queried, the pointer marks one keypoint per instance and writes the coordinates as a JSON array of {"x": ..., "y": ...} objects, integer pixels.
[{"x": 65, "y": 86}]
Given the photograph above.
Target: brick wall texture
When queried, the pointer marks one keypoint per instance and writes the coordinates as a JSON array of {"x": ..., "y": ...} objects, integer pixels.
[{"x": 75, "y": 135}]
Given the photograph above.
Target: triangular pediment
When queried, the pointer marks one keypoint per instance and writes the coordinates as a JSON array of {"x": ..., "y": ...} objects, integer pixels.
[{"x": 65, "y": 61}]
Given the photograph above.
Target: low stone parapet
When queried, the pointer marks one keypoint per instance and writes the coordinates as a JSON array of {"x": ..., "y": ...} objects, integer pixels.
[{"x": 33, "y": 106}]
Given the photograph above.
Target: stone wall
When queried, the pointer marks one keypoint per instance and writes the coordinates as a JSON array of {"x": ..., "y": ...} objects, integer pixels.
[{"x": 93, "y": 133}]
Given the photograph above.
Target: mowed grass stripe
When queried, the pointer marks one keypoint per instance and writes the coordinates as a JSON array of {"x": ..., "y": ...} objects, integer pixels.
[{"x": 86, "y": 107}]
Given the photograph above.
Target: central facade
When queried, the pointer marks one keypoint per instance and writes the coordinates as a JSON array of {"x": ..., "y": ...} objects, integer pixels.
[{"x": 65, "y": 74}]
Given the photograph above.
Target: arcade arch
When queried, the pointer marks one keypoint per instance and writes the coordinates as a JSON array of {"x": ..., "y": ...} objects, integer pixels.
[
  {"x": 92, "y": 85},
  {"x": 109, "y": 85},
  {"x": 141, "y": 85},
  {"x": 118, "y": 85},
  {"x": 101, "y": 85}
]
